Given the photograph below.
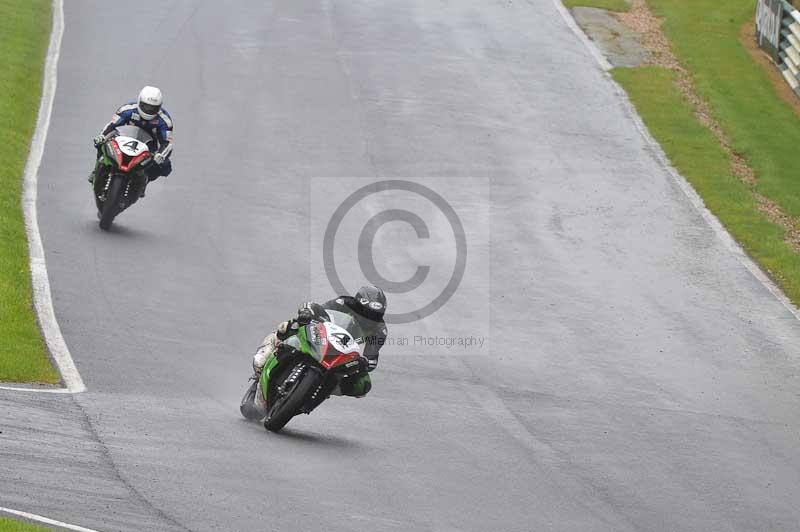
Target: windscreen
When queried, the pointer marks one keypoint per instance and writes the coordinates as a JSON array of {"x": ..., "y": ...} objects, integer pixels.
[
  {"x": 135, "y": 133},
  {"x": 347, "y": 322}
]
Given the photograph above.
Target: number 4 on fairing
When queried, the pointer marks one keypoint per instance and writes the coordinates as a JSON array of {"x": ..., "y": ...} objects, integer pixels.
[{"x": 132, "y": 144}]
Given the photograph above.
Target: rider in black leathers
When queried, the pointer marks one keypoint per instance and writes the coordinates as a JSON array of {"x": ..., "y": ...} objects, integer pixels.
[{"x": 367, "y": 307}]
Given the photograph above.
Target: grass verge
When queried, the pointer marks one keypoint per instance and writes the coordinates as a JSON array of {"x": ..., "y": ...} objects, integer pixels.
[
  {"x": 610, "y": 5},
  {"x": 757, "y": 121},
  {"x": 698, "y": 156},
  {"x": 24, "y": 35},
  {"x": 11, "y": 525},
  {"x": 761, "y": 126}
]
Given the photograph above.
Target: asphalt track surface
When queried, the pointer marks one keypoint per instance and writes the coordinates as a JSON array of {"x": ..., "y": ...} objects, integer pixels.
[{"x": 635, "y": 375}]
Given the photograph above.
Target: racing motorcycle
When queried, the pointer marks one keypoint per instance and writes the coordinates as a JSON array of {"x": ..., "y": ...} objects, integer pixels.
[
  {"x": 120, "y": 174},
  {"x": 306, "y": 369}
]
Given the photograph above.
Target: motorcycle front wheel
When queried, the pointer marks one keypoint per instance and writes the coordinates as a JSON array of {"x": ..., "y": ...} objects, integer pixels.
[
  {"x": 111, "y": 204},
  {"x": 289, "y": 405}
]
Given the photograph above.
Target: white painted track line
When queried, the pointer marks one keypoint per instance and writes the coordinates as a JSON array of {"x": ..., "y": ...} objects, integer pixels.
[
  {"x": 593, "y": 49},
  {"x": 35, "y": 390},
  {"x": 44, "y": 520},
  {"x": 42, "y": 298}
]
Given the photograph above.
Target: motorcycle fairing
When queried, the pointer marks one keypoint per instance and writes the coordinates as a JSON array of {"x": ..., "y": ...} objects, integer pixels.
[
  {"x": 127, "y": 152},
  {"x": 266, "y": 373},
  {"x": 327, "y": 343}
]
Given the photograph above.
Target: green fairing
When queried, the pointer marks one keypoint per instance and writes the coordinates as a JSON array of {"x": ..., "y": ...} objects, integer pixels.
[
  {"x": 107, "y": 160},
  {"x": 265, "y": 373},
  {"x": 104, "y": 160},
  {"x": 272, "y": 362},
  {"x": 305, "y": 346}
]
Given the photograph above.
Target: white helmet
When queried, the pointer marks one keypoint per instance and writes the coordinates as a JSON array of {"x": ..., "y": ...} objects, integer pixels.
[{"x": 150, "y": 100}]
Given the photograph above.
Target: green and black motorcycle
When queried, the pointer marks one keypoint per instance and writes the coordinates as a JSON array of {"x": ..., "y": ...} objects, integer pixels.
[
  {"x": 120, "y": 173},
  {"x": 305, "y": 370}
]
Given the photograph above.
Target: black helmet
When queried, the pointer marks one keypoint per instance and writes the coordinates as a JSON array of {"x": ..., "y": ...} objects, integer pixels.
[{"x": 371, "y": 300}]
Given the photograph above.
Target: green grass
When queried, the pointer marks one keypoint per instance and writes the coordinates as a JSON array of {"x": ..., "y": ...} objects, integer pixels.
[
  {"x": 760, "y": 125},
  {"x": 24, "y": 34},
  {"x": 10, "y": 525},
  {"x": 611, "y": 5},
  {"x": 698, "y": 156}
]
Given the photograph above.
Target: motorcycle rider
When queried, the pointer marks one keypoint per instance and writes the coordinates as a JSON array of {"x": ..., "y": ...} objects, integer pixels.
[
  {"x": 367, "y": 308},
  {"x": 148, "y": 114}
]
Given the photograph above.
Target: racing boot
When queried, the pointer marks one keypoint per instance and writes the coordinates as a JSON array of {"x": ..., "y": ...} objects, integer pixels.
[
  {"x": 357, "y": 385},
  {"x": 93, "y": 173}
]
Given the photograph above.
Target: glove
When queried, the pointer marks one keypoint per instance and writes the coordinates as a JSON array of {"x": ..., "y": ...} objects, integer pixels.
[
  {"x": 287, "y": 329},
  {"x": 363, "y": 364},
  {"x": 99, "y": 140},
  {"x": 304, "y": 316},
  {"x": 159, "y": 158}
]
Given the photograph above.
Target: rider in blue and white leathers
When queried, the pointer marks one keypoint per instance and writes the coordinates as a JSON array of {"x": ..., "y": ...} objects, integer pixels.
[{"x": 148, "y": 114}]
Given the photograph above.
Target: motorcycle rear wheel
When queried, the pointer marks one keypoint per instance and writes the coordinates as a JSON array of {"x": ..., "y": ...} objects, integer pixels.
[
  {"x": 287, "y": 407},
  {"x": 247, "y": 406}
]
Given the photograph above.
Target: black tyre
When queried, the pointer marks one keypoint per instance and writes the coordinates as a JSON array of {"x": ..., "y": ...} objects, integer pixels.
[
  {"x": 111, "y": 205},
  {"x": 248, "y": 407},
  {"x": 289, "y": 405}
]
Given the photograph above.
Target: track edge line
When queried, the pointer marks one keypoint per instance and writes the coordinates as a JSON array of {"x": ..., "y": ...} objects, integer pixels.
[
  {"x": 694, "y": 198},
  {"x": 42, "y": 297},
  {"x": 44, "y": 520},
  {"x": 570, "y": 21}
]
